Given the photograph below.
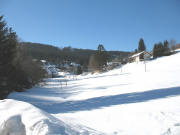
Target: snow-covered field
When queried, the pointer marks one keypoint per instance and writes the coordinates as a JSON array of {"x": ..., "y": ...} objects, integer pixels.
[{"x": 131, "y": 102}]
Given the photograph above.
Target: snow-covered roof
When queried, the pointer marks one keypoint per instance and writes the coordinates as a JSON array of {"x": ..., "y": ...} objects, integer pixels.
[
  {"x": 110, "y": 63},
  {"x": 43, "y": 61},
  {"x": 74, "y": 64},
  {"x": 177, "y": 50},
  {"x": 137, "y": 54}
]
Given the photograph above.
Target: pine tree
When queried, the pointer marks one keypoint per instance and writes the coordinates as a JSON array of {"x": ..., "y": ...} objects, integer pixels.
[
  {"x": 166, "y": 48},
  {"x": 99, "y": 59},
  {"x": 101, "y": 56},
  {"x": 79, "y": 70},
  {"x": 155, "y": 51},
  {"x": 141, "y": 46},
  {"x": 101, "y": 48},
  {"x": 17, "y": 71},
  {"x": 161, "y": 49},
  {"x": 7, "y": 53}
]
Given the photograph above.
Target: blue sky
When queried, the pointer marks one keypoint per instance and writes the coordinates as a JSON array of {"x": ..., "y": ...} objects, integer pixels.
[{"x": 117, "y": 24}]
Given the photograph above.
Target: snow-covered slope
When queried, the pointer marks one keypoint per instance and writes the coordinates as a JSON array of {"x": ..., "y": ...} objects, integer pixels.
[{"x": 129, "y": 102}]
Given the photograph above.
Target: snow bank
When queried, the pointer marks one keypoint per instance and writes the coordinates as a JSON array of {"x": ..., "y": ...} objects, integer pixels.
[
  {"x": 20, "y": 118},
  {"x": 12, "y": 126}
]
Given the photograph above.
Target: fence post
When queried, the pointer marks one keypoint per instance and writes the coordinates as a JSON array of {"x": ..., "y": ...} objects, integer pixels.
[
  {"x": 121, "y": 69},
  {"x": 145, "y": 64}
]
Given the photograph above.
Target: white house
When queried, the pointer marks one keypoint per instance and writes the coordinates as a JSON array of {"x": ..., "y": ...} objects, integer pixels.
[
  {"x": 141, "y": 56},
  {"x": 51, "y": 70},
  {"x": 112, "y": 65}
]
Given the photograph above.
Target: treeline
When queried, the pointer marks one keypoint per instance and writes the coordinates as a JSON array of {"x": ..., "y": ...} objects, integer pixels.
[
  {"x": 164, "y": 48},
  {"x": 57, "y": 55},
  {"x": 17, "y": 70},
  {"x": 159, "y": 49}
]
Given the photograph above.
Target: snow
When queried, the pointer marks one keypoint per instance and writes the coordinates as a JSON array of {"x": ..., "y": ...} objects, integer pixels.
[
  {"x": 20, "y": 118},
  {"x": 122, "y": 101},
  {"x": 13, "y": 125}
]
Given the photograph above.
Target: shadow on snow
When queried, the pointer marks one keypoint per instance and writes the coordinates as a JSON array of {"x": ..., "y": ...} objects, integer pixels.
[{"x": 105, "y": 101}]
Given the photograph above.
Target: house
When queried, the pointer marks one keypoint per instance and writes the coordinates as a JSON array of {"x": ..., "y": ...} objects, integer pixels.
[
  {"x": 51, "y": 70},
  {"x": 112, "y": 65},
  {"x": 74, "y": 67},
  {"x": 141, "y": 56}
]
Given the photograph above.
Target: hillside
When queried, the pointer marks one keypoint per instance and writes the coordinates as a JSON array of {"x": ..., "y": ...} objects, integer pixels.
[
  {"x": 122, "y": 101},
  {"x": 58, "y": 55}
]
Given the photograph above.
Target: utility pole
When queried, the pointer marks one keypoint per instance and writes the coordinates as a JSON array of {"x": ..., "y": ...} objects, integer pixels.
[
  {"x": 121, "y": 69},
  {"x": 145, "y": 64}
]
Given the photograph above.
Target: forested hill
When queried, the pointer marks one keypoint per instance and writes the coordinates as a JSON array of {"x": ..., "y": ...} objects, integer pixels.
[{"x": 58, "y": 55}]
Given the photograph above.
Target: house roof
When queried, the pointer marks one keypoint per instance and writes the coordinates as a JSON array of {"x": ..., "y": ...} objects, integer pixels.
[
  {"x": 137, "y": 54},
  {"x": 43, "y": 61},
  {"x": 74, "y": 64}
]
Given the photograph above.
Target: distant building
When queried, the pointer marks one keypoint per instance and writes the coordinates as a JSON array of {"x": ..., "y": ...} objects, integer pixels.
[
  {"x": 74, "y": 64},
  {"x": 51, "y": 70},
  {"x": 74, "y": 67},
  {"x": 141, "y": 56},
  {"x": 112, "y": 65}
]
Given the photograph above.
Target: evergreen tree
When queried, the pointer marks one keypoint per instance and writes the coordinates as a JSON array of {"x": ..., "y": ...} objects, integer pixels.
[
  {"x": 99, "y": 59},
  {"x": 166, "y": 48},
  {"x": 79, "y": 70},
  {"x": 101, "y": 56},
  {"x": 8, "y": 44},
  {"x": 155, "y": 51},
  {"x": 166, "y": 44},
  {"x": 161, "y": 49},
  {"x": 17, "y": 71},
  {"x": 101, "y": 48},
  {"x": 141, "y": 46}
]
